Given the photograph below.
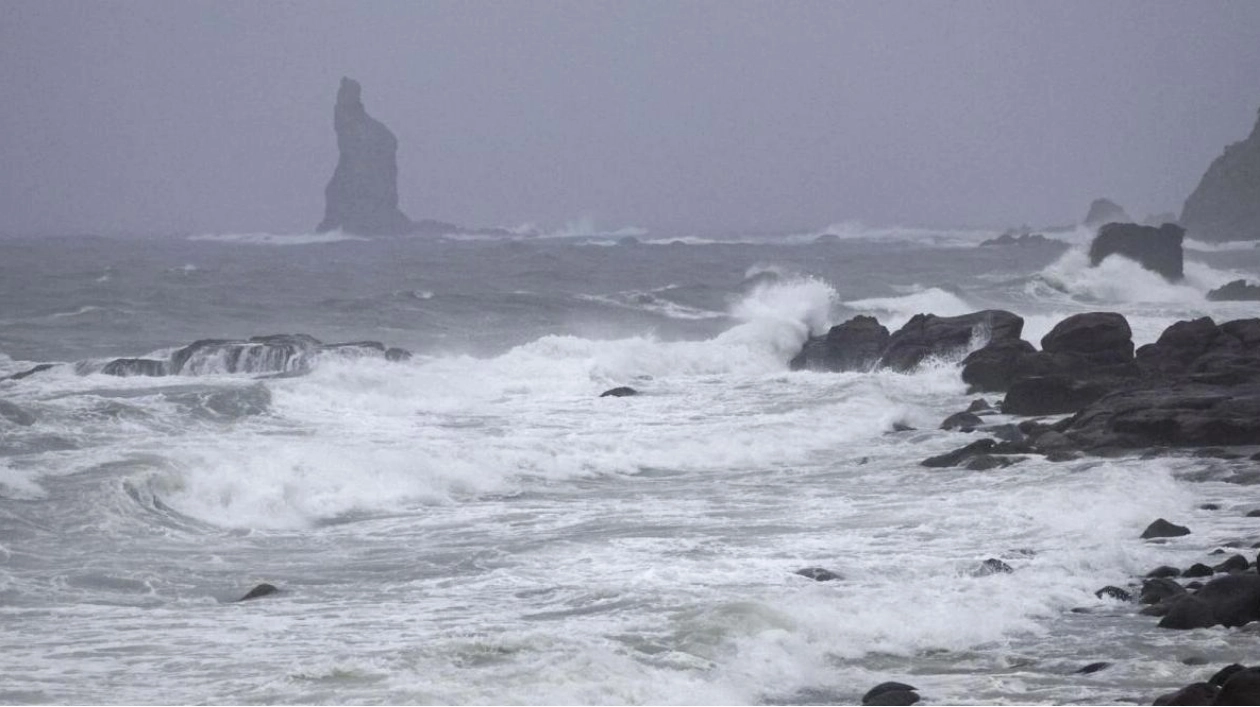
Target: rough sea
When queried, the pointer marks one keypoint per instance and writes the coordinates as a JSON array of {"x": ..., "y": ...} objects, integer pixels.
[{"x": 476, "y": 525}]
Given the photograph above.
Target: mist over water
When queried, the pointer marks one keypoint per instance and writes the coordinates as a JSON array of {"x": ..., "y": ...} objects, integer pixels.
[{"x": 476, "y": 525}]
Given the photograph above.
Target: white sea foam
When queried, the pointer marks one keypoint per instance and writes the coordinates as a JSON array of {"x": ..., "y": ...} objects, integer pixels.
[
  {"x": 1120, "y": 280},
  {"x": 896, "y": 311},
  {"x": 942, "y": 237},
  {"x": 278, "y": 239},
  {"x": 1226, "y": 247}
]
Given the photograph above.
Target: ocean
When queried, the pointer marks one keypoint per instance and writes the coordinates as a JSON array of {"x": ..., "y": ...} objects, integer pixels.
[{"x": 477, "y": 525}]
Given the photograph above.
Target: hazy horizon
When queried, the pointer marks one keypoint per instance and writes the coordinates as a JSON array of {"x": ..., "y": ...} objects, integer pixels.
[{"x": 217, "y": 117}]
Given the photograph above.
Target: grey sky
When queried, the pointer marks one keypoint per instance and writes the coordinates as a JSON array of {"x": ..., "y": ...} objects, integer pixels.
[{"x": 217, "y": 117}]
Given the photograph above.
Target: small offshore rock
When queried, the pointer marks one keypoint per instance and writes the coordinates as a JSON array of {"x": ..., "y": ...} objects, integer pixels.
[
  {"x": 619, "y": 392},
  {"x": 891, "y": 693},
  {"x": 1164, "y": 571},
  {"x": 980, "y": 405},
  {"x": 819, "y": 574},
  {"x": 1235, "y": 563},
  {"x": 1163, "y": 529},
  {"x": 260, "y": 591},
  {"x": 964, "y": 421},
  {"x": 1209, "y": 507},
  {"x": 1188, "y": 612},
  {"x": 956, "y": 457},
  {"x": 1093, "y": 668},
  {"x": 992, "y": 566},
  {"x": 1112, "y": 592}
]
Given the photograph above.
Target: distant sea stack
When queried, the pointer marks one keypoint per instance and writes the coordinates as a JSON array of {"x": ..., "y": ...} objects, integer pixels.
[
  {"x": 1226, "y": 204},
  {"x": 1105, "y": 211},
  {"x": 1156, "y": 249},
  {"x": 362, "y": 196}
]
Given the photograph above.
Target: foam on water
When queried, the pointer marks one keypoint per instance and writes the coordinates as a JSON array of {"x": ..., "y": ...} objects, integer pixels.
[
  {"x": 278, "y": 239},
  {"x": 894, "y": 312}
]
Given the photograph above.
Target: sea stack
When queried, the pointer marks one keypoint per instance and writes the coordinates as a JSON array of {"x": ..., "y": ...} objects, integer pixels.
[
  {"x": 1226, "y": 204},
  {"x": 1156, "y": 249},
  {"x": 362, "y": 196},
  {"x": 1105, "y": 211}
]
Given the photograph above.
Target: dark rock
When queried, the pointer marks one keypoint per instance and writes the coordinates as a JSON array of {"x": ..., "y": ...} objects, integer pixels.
[
  {"x": 1242, "y": 688},
  {"x": 619, "y": 392},
  {"x": 1225, "y": 206},
  {"x": 1235, "y": 291},
  {"x": 1175, "y": 415},
  {"x": 980, "y": 405},
  {"x": 1235, "y": 563},
  {"x": 28, "y": 372},
  {"x": 855, "y": 345},
  {"x": 275, "y": 353},
  {"x": 1104, "y": 211},
  {"x": 958, "y": 456},
  {"x": 1221, "y": 676},
  {"x": 1188, "y": 612},
  {"x": 261, "y": 590},
  {"x": 1093, "y": 668},
  {"x": 992, "y": 566},
  {"x": 992, "y": 367},
  {"x": 1052, "y": 395},
  {"x": 1156, "y": 249},
  {"x": 1198, "y": 569},
  {"x": 396, "y": 354},
  {"x": 987, "y": 462},
  {"x": 15, "y": 414},
  {"x": 1198, "y": 693},
  {"x": 1234, "y": 598},
  {"x": 1023, "y": 239},
  {"x": 1159, "y": 589},
  {"x": 899, "y": 426},
  {"x": 1254, "y": 514},
  {"x": 1163, "y": 529},
  {"x": 1113, "y": 593},
  {"x": 1164, "y": 571},
  {"x": 819, "y": 574},
  {"x": 891, "y": 693},
  {"x": 362, "y": 196},
  {"x": 134, "y": 367},
  {"x": 927, "y": 335},
  {"x": 1209, "y": 507},
  {"x": 1007, "y": 433},
  {"x": 964, "y": 421},
  {"x": 1102, "y": 337}
]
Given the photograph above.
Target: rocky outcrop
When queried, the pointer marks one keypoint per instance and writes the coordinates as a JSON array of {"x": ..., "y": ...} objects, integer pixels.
[
  {"x": 362, "y": 196},
  {"x": 1236, "y": 291},
  {"x": 855, "y": 345},
  {"x": 927, "y": 335},
  {"x": 1225, "y": 206},
  {"x": 1023, "y": 239},
  {"x": 1104, "y": 211},
  {"x": 1156, "y": 249},
  {"x": 291, "y": 354}
]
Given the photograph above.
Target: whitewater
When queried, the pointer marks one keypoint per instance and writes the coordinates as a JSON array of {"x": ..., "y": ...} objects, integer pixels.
[{"x": 477, "y": 525}]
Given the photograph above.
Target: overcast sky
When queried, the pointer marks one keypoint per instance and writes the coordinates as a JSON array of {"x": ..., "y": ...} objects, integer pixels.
[{"x": 683, "y": 116}]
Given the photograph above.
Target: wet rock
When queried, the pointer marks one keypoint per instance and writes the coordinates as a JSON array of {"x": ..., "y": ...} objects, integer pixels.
[
  {"x": 958, "y": 456},
  {"x": 1198, "y": 569},
  {"x": 892, "y": 694},
  {"x": 927, "y": 335},
  {"x": 993, "y": 367},
  {"x": 1052, "y": 395},
  {"x": 127, "y": 367},
  {"x": 1023, "y": 239},
  {"x": 1093, "y": 668},
  {"x": 980, "y": 405},
  {"x": 819, "y": 574},
  {"x": 1112, "y": 592},
  {"x": 619, "y": 392},
  {"x": 987, "y": 462},
  {"x": 855, "y": 345},
  {"x": 1235, "y": 291},
  {"x": 1235, "y": 563},
  {"x": 396, "y": 354},
  {"x": 1254, "y": 514},
  {"x": 992, "y": 566},
  {"x": 963, "y": 421},
  {"x": 1199, "y": 693},
  {"x": 1164, "y": 571},
  {"x": 259, "y": 591},
  {"x": 1221, "y": 676},
  {"x": 1180, "y": 415},
  {"x": 1234, "y": 599},
  {"x": 15, "y": 414},
  {"x": 1156, "y": 249},
  {"x": 1242, "y": 688},
  {"x": 1100, "y": 337},
  {"x": 1188, "y": 612},
  {"x": 1159, "y": 589},
  {"x": 1209, "y": 507},
  {"x": 28, "y": 372},
  {"x": 1163, "y": 529}
]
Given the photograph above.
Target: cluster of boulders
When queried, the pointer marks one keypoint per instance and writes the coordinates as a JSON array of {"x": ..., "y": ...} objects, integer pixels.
[{"x": 276, "y": 354}]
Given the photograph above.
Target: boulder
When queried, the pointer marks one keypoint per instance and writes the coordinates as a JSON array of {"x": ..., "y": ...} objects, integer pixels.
[
  {"x": 819, "y": 574},
  {"x": 891, "y": 693},
  {"x": 1104, "y": 211},
  {"x": 964, "y": 421},
  {"x": 1234, "y": 599},
  {"x": 855, "y": 345},
  {"x": 992, "y": 566},
  {"x": 1174, "y": 415},
  {"x": 1112, "y": 592},
  {"x": 623, "y": 391},
  {"x": 1101, "y": 337},
  {"x": 927, "y": 335},
  {"x": 994, "y": 366},
  {"x": 1235, "y": 291},
  {"x": 259, "y": 591},
  {"x": 1160, "y": 590},
  {"x": 1242, "y": 688},
  {"x": 1225, "y": 206},
  {"x": 1093, "y": 668},
  {"x": 1187, "y": 612},
  {"x": 1161, "y": 528},
  {"x": 958, "y": 456},
  {"x": 1052, "y": 395},
  {"x": 1156, "y": 249},
  {"x": 362, "y": 196},
  {"x": 134, "y": 367},
  {"x": 1197, "y": 693}
]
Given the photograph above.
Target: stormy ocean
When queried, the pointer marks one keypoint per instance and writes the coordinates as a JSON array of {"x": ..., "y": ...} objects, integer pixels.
[{"x": 475, "y": 524}]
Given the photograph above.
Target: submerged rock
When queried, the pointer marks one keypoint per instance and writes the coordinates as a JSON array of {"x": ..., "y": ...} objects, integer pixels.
[
  {"x": 259, "y": 591},
  {"x": 134, "y": 367},
  {"x": 819, "y": 574},
  {"x": 619, "y": 392},
  {"x": 28, "y": 372},
  {"x": 1161, "y": 528},
  {"x": 1156, "y": 249},
  {"x": 1225, "y": 206}
]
